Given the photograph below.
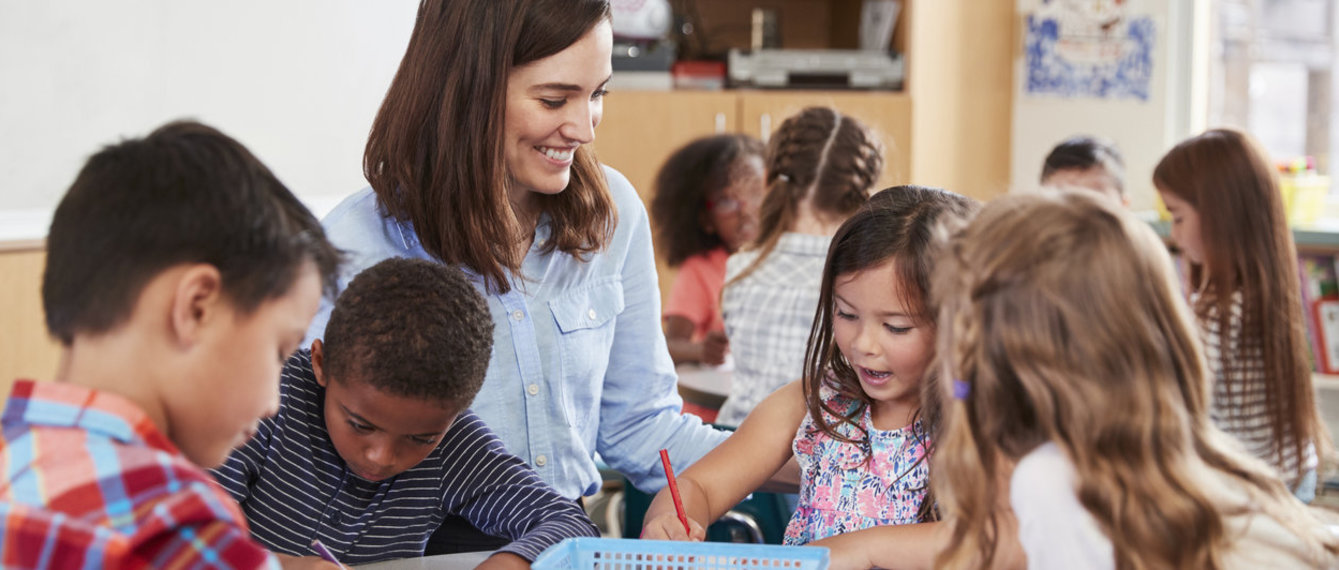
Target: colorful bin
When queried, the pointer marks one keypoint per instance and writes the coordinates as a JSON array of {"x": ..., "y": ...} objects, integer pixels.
[
  {"x": 1304, "y": 197},
  {"x": 630, "y": 554}
]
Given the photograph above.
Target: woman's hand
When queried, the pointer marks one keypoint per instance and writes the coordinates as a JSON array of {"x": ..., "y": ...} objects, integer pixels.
[{"x": 667, "y": 526}]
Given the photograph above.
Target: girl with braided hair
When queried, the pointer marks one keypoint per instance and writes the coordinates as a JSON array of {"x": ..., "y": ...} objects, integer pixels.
[
  {"x": 1078, "y": 379},
  {"x": 855, "y": 422},
  {"x": 821, "y": 166}
]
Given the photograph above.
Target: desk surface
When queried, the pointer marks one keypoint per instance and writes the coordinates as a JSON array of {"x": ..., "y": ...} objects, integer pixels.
[
  {"x": 703, "y": 386},
  {"x": 462, "y": 561}
]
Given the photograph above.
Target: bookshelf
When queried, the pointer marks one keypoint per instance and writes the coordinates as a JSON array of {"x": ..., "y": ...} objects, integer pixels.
[{"x": 1321, "y": 237}]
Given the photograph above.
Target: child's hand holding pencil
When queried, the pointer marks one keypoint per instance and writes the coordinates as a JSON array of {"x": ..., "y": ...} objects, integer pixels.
[{"x": 663, "y": 524}]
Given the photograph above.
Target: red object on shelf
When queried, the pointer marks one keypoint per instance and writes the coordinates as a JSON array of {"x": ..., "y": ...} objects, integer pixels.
[
  {"x": 1326, "y": 315},
  {"x": 694, "y": 74}
]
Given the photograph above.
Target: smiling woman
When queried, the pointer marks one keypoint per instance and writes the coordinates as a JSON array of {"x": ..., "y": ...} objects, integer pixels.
[{"x": 479, "y": 158}]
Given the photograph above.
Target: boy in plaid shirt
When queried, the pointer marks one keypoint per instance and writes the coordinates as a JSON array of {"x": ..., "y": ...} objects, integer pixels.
[{"x": 180, "y": 273}]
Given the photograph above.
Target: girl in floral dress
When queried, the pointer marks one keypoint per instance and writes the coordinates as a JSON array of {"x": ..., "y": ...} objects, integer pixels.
[{"x": 855, "y": 422}]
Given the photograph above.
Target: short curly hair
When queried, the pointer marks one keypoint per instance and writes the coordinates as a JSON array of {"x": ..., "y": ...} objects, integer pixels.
[
  {"x": 686, "y": 182},
  {"x": 412, "y": 328}
]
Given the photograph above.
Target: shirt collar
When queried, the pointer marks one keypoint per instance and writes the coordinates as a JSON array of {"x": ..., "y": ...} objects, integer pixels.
[{"x": 66, "y": 405}]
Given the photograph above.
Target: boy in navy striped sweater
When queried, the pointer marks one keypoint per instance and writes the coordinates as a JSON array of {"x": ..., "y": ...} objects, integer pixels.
[{"x": 374, "y": 446}]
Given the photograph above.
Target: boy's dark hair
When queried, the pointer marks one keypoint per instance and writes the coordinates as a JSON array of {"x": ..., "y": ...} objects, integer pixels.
[
  {"x": 687, "y": 180},
  {"x": 413, "y": 328},
  {"x": 186, "y": 193},
  {"x": 1084, "y": 152}
]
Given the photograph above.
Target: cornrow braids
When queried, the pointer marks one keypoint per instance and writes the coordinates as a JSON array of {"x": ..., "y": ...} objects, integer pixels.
[{"x": 818, "y": 155}]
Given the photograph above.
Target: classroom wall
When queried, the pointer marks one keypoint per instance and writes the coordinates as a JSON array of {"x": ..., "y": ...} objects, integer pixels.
[
  {"x": 960, "y": 81},
  {"x": 25, "y": 349},
  {"x": 298, "y": 81},
  {"x": 1144, "y": 130}
]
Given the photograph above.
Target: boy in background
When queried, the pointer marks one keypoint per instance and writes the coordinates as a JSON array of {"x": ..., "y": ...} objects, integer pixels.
[
  {"x": 374, "y": 446},
  {"x": 179, "y": 274},
  {"x": 1087, "y": 163}
]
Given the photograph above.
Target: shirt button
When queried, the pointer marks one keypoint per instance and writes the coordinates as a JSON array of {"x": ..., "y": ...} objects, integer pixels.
[
  {"x": 541, "y": 461},
  {"x": 532, "y": 389},
  {"x": 591, "y": 314},
  {"x": 518, "y": 314}
]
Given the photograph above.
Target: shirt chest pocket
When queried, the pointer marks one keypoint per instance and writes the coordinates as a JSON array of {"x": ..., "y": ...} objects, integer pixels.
[{"x": 586, "y": 319}]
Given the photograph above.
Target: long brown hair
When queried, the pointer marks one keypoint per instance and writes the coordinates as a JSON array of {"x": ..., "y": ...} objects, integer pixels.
[
  {"x": 435, "y": 153},
  {"x": 896, "y": 224},
  {"x": 1061, "y": 317},
  {"x": 817, "y": 155},
  {"x": 1248, "y": 249}
]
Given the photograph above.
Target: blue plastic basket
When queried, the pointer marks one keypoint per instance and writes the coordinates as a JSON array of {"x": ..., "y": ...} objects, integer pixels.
[{"x": 631, "y": 554}]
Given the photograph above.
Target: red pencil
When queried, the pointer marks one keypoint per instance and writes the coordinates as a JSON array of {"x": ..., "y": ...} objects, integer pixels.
[{"x": 674, "y": 491}]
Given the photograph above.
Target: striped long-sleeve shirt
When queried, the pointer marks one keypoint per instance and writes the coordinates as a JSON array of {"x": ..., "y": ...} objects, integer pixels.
[
  {"x": 294, "y": 487},
  {"x": 1239, "y": 391},
  {"x": 90, "y": 482}
]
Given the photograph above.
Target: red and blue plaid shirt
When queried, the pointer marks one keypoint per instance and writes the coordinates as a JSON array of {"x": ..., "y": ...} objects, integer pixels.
[{"x": 87, "y": 481}]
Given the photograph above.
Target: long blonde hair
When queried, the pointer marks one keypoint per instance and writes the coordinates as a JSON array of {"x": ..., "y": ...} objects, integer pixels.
[{"x": 1060, "y": 320}]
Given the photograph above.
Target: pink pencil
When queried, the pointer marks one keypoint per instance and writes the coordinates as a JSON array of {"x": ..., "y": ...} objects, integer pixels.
[
  {"x": 325, "y": 553},
  {"x": 674, "y": 490}
]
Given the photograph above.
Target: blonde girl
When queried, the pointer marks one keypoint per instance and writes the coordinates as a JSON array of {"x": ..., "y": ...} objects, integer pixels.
[
  {"x": 821, "y": 166},
  {"x": 855, "y": 422},
  {"x": 1066, "y": 349},
  {"x": 1228, "y": 220}
]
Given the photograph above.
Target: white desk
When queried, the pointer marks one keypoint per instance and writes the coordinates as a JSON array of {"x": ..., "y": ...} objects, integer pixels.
[
  {"x": 704, "y": 386},
  {"x": 462, "y": 561}
]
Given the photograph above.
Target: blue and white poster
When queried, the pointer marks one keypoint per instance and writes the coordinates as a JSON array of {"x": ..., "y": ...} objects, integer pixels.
[{"x": 1089, "y": 48}]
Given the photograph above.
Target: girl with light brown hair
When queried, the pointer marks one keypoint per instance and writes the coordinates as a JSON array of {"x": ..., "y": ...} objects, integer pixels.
[
  {"x": 1228, "y": 221},
  {"x": 1069, "y": 357}
]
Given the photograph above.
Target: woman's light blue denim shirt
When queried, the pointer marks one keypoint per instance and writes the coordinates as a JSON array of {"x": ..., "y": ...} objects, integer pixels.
[{"x": 579, "y": 360}]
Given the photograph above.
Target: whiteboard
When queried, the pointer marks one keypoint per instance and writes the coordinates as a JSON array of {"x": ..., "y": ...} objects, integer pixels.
[{"x": 297, "y": 81}]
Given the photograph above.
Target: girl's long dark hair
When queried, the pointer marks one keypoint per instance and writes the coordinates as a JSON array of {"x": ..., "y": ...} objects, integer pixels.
[{"x": 896, "y": 224}]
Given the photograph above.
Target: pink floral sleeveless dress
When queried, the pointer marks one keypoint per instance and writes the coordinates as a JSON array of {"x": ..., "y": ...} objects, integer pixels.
[{"x": 840, "y": 492}]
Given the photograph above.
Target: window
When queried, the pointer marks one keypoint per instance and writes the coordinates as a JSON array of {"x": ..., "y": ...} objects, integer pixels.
[{"x": 1271, "y": 73}]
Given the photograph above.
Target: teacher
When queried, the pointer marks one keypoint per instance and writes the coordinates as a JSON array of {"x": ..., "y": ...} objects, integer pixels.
[{"x": 478, "y": 158}]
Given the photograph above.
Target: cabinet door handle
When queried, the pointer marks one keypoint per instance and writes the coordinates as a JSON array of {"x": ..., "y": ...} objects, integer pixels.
[
  {"x": 764, "y": 126},
  {"x": 720, "y": 123}
]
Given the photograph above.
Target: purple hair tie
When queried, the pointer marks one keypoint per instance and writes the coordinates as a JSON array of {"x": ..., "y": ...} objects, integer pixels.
[{"x": 961, "y": 389}]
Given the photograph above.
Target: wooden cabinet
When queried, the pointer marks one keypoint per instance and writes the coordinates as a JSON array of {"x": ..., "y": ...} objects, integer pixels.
[
  {"x": 25, "y": 349},
  {"x": 887, "y": 114},
  {"x": 640, "y": 129},
  {"x": 949, "y": 127}
]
